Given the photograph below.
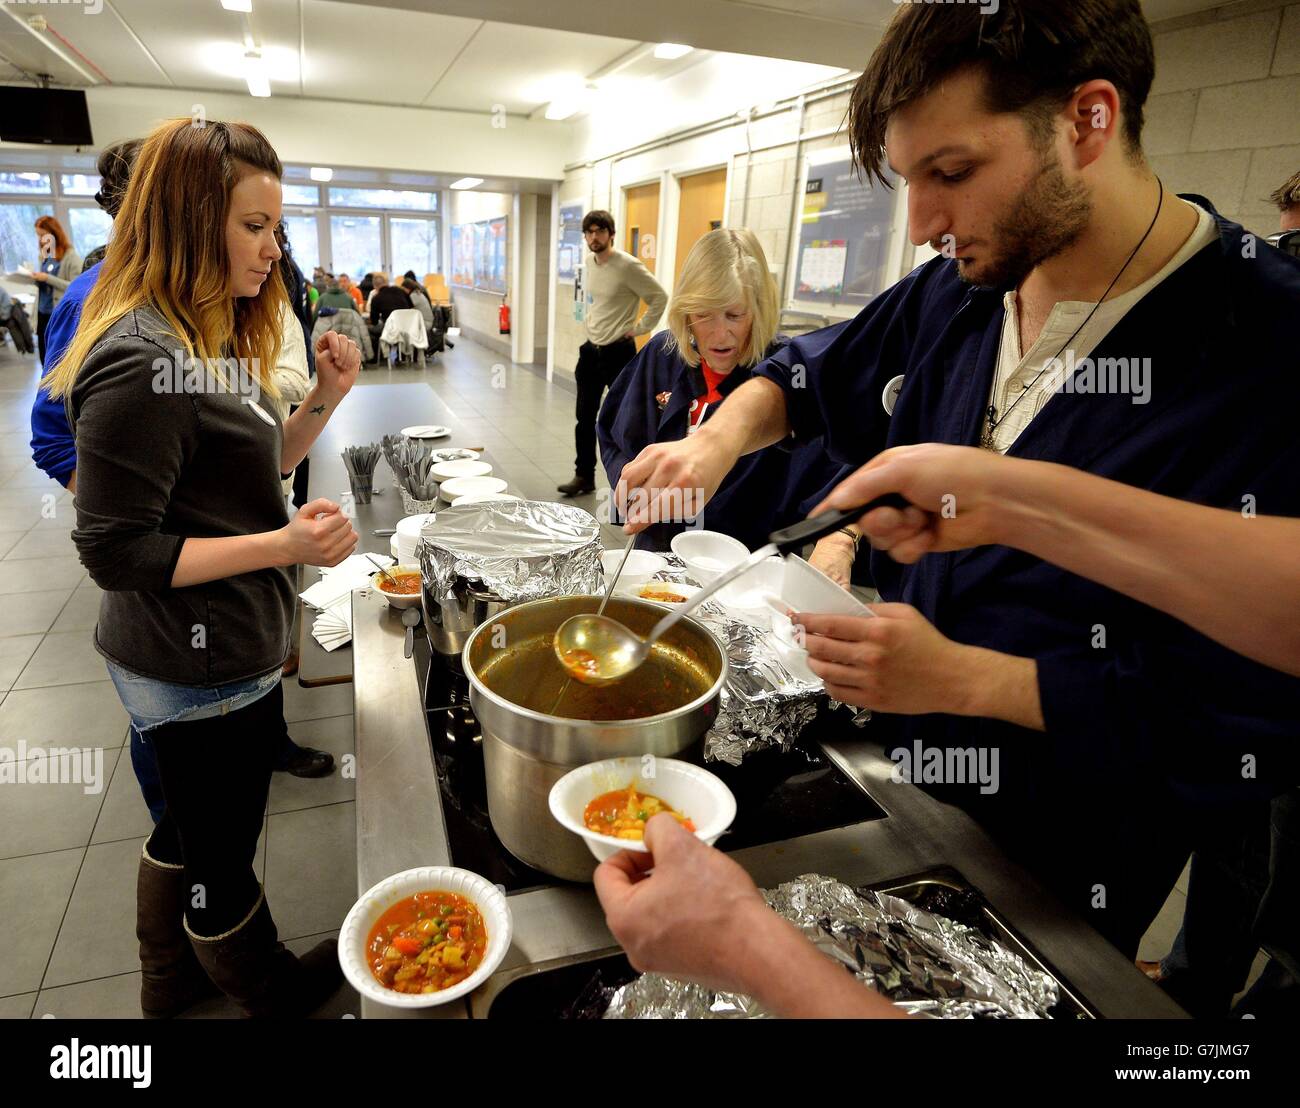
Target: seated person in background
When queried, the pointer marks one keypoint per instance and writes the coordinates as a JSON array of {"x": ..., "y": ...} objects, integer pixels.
[
  {"x": 419, "y": 301},
  {"x": 384, "y": 301},
  {"x": 335, "y": 297},
  {"x": 721, "y": 322},
  {"x": 345, "y": 283}
]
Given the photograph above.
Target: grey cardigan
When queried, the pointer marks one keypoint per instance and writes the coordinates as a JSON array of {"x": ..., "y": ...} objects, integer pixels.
[
  {"x": 69, "y": 271},
  {"x": 157, "y": 464}
]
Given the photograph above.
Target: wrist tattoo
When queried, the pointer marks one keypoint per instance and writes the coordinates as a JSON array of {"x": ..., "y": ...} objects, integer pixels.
[{"x": 318, "y": 409}]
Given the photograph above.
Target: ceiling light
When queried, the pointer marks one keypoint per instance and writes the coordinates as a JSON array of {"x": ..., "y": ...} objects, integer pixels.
[
  {"x": 466, "y": 183},
  {"x": 237, "y": 5},
  {"x": 670, "y": 51},
  {"x": 255, "y": 74},
  {"x": 322, "y": 173}
]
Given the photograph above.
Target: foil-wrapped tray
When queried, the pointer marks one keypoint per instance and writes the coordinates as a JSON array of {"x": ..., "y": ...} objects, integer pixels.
[
  {"x": 928, "y": 964},
  {"x": 515, "y": 549}
]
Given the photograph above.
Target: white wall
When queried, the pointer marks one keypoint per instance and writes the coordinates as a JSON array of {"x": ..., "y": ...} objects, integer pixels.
[
  {"x": 327, "y": 132},
  {"x": 476, "y": 310}
]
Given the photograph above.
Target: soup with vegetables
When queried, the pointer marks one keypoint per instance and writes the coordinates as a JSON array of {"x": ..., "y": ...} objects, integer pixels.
[
  {"x": 623, "y": 813},
  {"x": 426, "y": 942},
  {"x": 399, "y": 584}
]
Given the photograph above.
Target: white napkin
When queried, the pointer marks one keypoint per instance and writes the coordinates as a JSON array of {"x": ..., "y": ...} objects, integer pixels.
[{"x": 331, "y": 596}]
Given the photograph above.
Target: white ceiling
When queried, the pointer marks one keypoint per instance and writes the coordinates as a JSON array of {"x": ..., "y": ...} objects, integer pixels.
[
  {"x": 315, "y": 48},
  {"x": 450, "y": 54}
]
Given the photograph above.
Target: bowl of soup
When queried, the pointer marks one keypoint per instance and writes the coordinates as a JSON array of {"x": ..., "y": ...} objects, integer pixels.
[
  {"x": 538, "y": 723},
  {"x": 425, "y": 936},
  {"x": 401, "y": 586},
  {"x": 608, "y": 803}
]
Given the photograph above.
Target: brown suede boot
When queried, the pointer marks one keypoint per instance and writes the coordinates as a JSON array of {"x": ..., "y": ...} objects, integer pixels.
[
  {"x": 171, "y": 979},
  {"x": 252, "y": 967}
]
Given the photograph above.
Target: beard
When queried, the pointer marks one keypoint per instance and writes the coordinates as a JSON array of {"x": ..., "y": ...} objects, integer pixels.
[{"x": 1046, "y": 218}]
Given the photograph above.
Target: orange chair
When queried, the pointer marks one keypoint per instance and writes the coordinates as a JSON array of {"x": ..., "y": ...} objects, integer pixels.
[{"x": 436, "y": 287}]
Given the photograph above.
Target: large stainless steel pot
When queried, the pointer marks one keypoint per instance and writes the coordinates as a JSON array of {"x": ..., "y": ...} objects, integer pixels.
[
  {"x": 515, "y": 680},
  {"x": 450, "y": 622}
]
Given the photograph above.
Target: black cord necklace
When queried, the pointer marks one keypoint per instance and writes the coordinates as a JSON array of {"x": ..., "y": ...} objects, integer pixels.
[{"x": 992, "y": 419}]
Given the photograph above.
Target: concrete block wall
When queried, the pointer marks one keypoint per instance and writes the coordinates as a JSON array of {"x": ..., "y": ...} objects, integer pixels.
[{"x": 1223, "y": 118}]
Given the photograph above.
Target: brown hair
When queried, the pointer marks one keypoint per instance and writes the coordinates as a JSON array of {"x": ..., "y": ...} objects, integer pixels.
[
  {"x": 114, "y": 168},
  {"x": 599, "y": 219},
  {"x": 1288, "y": 195},
  {"x": 1033, "y": 55},
  {"x": 54, "y": 227},
  {"x": 169, "y": 253}
]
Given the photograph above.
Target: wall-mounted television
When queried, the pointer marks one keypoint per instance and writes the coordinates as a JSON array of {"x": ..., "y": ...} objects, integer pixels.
[{"x": 52, "y": 116}]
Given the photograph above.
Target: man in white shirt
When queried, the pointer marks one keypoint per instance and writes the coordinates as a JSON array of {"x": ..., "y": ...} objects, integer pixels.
[{"x": 616, "y": 283}]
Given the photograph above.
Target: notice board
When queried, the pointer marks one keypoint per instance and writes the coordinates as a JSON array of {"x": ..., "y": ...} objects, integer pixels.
[
  {"x": 479, "y": 255},
  {"x": 844, "y": 237},
  {"x": 569, "y": 242}
]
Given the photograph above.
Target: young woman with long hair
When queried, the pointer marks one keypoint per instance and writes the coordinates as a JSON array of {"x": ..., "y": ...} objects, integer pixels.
[
  {"x": 181, "y": 520},
  {"x": 60, "y": 264}
]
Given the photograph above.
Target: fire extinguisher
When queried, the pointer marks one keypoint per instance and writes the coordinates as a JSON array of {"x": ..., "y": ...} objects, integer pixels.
[{"x": 503, "y": 318}]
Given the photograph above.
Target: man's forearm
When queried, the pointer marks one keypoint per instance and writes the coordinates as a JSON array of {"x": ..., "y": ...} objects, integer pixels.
[
  {"x": 303, "y": 427},
  {"x": 1231, "y": 577},
  {"x": 753, "y": 417},
  {"x": 790, "y": 977},
  {"x": 1000, "y": 686}
]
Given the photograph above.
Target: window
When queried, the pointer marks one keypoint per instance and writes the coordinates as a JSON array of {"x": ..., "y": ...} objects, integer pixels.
[
  {"x": 384, "y": 198},
  {"x": 304, "y": 195},
  {"x": 413, "y": 244},
  {"x": 304, "y": 241},
  {"x": 79, "y": 184},
  {"x": 355, "y": 244},
  {"x": 25, "y": 182},
  {"x": 89, "y": 228},
  {"x": 18, "y": 245}
]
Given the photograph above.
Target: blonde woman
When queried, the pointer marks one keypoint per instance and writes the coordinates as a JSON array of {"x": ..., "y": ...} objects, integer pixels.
[
  {"x": 169, "y": 388},
  {"x": 721, "y": 323}
]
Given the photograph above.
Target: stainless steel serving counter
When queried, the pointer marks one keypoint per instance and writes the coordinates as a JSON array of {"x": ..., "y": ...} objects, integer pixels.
[{"x": 400, "y": 825}]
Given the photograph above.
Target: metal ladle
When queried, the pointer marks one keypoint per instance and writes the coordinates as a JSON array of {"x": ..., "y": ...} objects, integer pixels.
[{"x": 598, "y": 650}]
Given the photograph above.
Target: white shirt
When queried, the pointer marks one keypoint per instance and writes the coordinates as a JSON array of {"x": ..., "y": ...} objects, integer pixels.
[{"x": 1015, "y": 372}]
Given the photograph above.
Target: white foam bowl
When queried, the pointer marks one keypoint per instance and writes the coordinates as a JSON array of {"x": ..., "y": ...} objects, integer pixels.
[
  {"x": 805, "y": 588},
  {"x": 636, "y": 591},
  {"x": 641, "y": 566},
  {"x": 489, "y": 900},
  {"x": 793, "y": 656},
  {"x": 461, "y": 467},
  {"x": 470, "y": 486},
  {"x": 708, "y": 554},
  {"x": 747, "y": 597},
  {"x": 695, "y": 792},
  {"x": 454, "y": 453},
  {"x": 404, "y": 600}
]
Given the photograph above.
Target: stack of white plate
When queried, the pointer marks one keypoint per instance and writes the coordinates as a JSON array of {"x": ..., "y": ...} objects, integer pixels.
[{"x": 404, "y": 543}]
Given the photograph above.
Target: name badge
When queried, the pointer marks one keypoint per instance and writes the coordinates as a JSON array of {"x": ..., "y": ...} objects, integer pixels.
[
  {"x": 890, "y": 396},
  {"x": 265, "y": 416}
]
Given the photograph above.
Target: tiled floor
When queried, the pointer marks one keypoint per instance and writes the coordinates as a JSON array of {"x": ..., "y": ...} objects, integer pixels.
[
  {"x": 68, "y": 855},
  {"x": 68, "y": 852}
]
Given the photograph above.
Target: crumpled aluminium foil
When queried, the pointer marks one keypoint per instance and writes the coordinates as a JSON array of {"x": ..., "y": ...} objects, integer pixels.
[
  {"x": 518, "y": 549},
  {"x": 926, "y": 964},
  {"x": 763, "y": 703}
]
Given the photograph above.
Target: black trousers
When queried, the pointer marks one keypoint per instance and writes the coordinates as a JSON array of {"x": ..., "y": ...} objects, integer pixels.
[
  {"x": 598, "y": 366},
  {"x": 215, "y": 774}
]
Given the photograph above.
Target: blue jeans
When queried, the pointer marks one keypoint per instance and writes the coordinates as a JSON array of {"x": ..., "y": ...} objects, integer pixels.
[{"x": 151, "y": 703}]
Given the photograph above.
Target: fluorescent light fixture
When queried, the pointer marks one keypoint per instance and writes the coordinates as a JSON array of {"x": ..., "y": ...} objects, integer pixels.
[
  {"x": 322, "y": 173},
  {"x": 259, "y": 84},
  {"x": 466, "y": 183},
  {"x": 237, "y": 5},
  {"x": 670, "y": 51},
  {"x": 564, "y": 106}
]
